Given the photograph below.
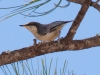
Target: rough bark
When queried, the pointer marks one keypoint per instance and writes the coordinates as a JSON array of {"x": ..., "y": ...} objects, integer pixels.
[
  {"x": 50, "y": 47},
  {"x": 78, "y": 20}
]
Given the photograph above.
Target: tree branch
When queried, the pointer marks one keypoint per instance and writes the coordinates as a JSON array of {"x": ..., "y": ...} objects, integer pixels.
[
  {"x": 93, "y": 4},
  {"x": 50, "y": 47},
  {"x": 78, "y": 20}
]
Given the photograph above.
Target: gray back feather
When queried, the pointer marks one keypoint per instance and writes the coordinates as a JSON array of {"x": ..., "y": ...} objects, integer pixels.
[
  {"x": 53, "y": 26},
  {"x": 47, "y": 28}
]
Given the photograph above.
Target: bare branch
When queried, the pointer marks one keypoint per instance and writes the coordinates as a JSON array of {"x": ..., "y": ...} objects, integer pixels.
[
  {"x": 94, "y": 4},
  {"x": 78, "y": 20},
  {"x": 50, "y": 47}
]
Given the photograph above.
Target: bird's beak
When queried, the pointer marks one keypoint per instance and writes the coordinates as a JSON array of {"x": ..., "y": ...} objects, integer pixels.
[{"x": 22, "y": 25}]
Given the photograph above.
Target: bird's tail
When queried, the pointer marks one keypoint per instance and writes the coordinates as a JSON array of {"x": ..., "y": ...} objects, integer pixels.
[{"x": 68, "y": 21}]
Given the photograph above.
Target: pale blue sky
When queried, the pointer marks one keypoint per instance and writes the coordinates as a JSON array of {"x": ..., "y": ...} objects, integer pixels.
[{"x": 85, "y": 61}]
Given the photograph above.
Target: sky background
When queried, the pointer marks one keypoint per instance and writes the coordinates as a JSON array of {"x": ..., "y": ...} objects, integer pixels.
[{"x": 13, "y": 37}]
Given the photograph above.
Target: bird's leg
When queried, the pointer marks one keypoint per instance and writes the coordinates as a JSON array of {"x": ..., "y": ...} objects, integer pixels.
[
  {"x": 35, "y": 42},
  {"x": 59, "y": 39}
]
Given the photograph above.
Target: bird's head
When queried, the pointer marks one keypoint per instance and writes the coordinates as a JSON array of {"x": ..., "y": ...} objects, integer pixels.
[{"x": 31, "y": 26}]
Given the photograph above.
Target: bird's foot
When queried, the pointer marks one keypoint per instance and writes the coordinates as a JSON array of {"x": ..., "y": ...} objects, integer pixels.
[{"x": 42, "y": 42}]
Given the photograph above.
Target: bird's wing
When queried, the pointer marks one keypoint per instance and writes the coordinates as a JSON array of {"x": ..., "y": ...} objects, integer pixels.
[
  {"x": 51, "y": 27},
  {"x": 45, "y": 29},
  {"x": 54, "y": 25}
]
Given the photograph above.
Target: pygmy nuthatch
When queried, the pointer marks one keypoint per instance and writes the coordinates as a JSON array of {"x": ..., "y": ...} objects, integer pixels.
[{"x": 45, "y": 32}]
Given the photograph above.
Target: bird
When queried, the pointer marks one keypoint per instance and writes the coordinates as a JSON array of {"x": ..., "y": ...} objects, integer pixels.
[{"x": 46, "y": 32}]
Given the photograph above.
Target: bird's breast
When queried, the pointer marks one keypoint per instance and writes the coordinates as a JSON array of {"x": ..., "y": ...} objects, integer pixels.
[{"x": 48, "y": 37}]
